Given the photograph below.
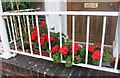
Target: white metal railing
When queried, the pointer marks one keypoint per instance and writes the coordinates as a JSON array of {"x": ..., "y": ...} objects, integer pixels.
[
  {"x": 27, "y": 15},
  {"x": 93, "y": 13}
]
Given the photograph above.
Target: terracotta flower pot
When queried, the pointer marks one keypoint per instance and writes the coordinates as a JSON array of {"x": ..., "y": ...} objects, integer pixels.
[
  {"x": 44, "y": 53},
  {"x": 26, "y": 47}
]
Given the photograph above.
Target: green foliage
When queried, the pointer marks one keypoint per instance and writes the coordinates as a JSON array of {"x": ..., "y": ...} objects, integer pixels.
[
  {"x": 78, "y": 59},
  {"x": 22, "y": 5},
  {"x": 56, "y": 57},
  {"x": 44, "y": 48},
  {"x": 90, "y": 58},
  {"x": 106, "y": 56},
  {"x": 43, "y": 30},
  {"x": 81, "y": 51},
  {"x": 80, "y": 56},
  {"x": 66, "y": 44},
  {"x": 36, "y": 45},
  {"x": 68, "y": 62},
  {"x": 6, "y": 6},
  {"x": 96, "y": 62},
  {"x": 25, "y": 38},
  {"x": 57, "y": 38}
]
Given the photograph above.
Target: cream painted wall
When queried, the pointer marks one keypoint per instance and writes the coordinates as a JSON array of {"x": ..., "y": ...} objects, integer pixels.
[{"x": 56, "y": 6}]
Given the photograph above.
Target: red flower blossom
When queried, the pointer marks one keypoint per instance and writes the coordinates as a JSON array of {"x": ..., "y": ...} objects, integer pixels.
[
  {"x": 42, "y": 24},
  {"x": 46, "y": 36},
  {"x": 42, "y": 39},
  {"x": 64, "y": 50},
  {"x": 96, "y": 55},
  {"x": 51, "y": 38},
  {"x": 91, "y": 48},
  {"x": 76, "y": 47},
  {"x": 55, "y": 49},
  {"x": 34, "y": 35},
  {"x": 35, "y": 28}
]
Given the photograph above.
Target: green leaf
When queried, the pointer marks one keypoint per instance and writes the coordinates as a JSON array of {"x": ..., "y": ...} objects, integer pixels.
[
  {"x": 96, "y": 62},
  {"x": 66, "y": 44},
  {"x": 78, "y": 60},
  {"x": 25, "y": 35},
  {"x": 45, "y": 48},
  {"x": 81, "y": 51},
  {"x": 90, "y": 58},
  {"x": 25, "y": 41},
  {"x": 36, "y": 45},
  {"x": 106, "y": 57},
  {"x": 56, "y": 57},
  {"x": 68, "y": 63}
]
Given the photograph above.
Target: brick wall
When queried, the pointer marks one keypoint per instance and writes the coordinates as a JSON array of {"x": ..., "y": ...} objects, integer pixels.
[{"x": 28, "y": 67}]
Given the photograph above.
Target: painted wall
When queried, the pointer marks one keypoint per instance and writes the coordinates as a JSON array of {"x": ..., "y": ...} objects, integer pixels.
[{"x": 56, "y": 6}]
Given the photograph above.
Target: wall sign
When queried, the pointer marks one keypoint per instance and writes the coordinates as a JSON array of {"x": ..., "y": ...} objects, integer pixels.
[{"x": 90, "y": 5}]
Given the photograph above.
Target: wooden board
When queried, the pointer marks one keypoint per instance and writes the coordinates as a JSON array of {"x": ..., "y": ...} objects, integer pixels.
[{"x": 96, "y": 22}]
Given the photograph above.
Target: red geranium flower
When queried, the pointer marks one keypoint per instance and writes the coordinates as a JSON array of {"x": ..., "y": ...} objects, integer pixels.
[
  {"x": 35, "y": 28},
  {"x": 51, "y": 38},
  {"x": 42, "y": 40},
  {"x": 34, "y": 35},
  {"x": 42, "y": 24},
  {"x": 96, "y": 55},
  {"x": 76, "y": 47},
  {"x": 64, "y": 50},
  {"x": 55, "y": 49},
  {"x": 91, "y": 48}
]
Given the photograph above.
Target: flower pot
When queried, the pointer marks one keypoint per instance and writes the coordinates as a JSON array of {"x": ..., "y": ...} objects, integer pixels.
[
  {"x": 26, "y": 47},
  {"x": 44, "y": 53}
]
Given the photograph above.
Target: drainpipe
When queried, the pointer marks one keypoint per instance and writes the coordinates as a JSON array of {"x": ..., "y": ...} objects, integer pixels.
[{"x": 4, "y": 38}]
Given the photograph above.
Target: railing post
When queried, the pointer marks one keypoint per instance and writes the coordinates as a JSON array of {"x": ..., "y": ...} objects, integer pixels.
[{"x": 4, "y": 38}]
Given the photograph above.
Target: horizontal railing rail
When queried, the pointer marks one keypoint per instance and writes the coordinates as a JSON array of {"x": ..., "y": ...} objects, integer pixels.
[{"x": 93, "y": 13}]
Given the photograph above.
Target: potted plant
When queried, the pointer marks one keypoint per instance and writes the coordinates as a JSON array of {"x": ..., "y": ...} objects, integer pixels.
[
  {"x": 44, "y": 42},
  {"x": 79, "y": 54},
  {"x": 66, "y": 50}
]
